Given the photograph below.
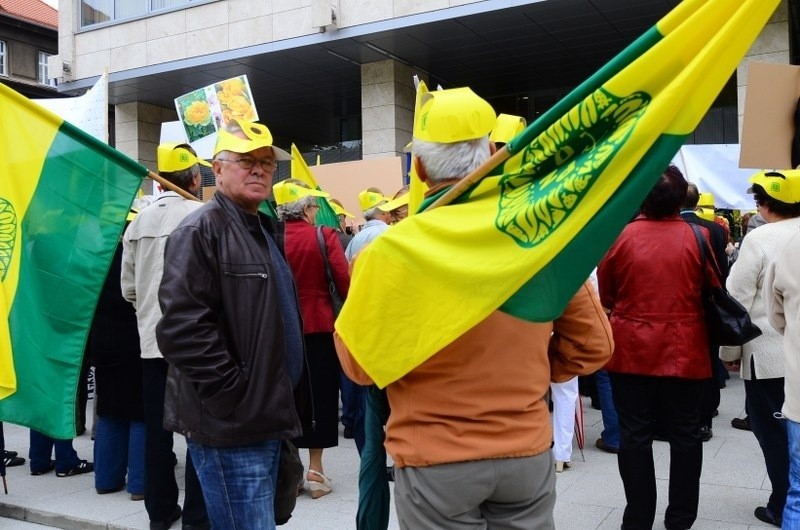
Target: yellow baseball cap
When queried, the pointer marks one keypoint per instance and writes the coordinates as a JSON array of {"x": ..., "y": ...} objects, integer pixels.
[
  {"x": 506, "y": 127},
  {"x": 706, "y": 213},
  {"x": 781, "y": 185},
  {"x": 395, "y": 203},
  {"x": 454, "y": 115},
  {"x": 257, "y": 136},
  {"x": 705, "y": 200},
  {"x": 370, "y": 199},
  {"x": 177, "y": 157},
  {"x": 338, "y": 209},
  {"x": 286, "y": 192}
]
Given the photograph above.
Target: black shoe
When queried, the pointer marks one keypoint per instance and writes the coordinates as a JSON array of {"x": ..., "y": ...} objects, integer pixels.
[
  {"x": 743, "y": 424},
  {"x": 348, "y": 432},
  {"x": 164, "y": 525},
  {"x": 600, "y": 444},
  {"x": 12, "y": 460},
  {"x": 82, "y": 467},
  {"x": 48, "y": 469},
  {"x": 10, "y": 454},
  {"x": 706, "y": 433},
  {"x": 764, "y": 514}
]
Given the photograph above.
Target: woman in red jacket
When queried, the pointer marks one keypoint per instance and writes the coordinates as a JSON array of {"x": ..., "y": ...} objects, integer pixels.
[
  {"x": 650, "y": 282},
  {"x": 297, "y": 206}
]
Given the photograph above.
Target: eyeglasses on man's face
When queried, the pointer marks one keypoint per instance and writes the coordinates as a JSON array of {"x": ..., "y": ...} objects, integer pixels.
[{"x": 247, "y": 162}]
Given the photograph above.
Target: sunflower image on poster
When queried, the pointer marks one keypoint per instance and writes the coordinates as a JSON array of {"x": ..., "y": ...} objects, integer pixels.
[
  {"x": 235, "y": 100},
  {"x": 194, "y": 110}
]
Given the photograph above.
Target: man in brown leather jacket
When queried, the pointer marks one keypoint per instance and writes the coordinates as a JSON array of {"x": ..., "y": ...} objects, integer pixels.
[{"x": 232, "y": 334}]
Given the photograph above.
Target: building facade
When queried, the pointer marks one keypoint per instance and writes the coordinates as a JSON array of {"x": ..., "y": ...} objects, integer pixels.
[
  {"x": 28, "y": 38},
  {"x": 339, "y": 73}
]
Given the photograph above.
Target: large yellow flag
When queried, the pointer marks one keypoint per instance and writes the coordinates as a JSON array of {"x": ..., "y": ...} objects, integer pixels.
[{"x": 524, "y": 240}]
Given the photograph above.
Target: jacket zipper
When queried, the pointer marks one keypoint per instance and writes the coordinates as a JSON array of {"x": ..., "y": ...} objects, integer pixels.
[{"x": 262, "y": 275}]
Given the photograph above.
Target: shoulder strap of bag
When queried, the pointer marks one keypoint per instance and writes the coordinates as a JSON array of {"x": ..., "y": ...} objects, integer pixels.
[
  {"x": 323, "y": 248},
  {"x": 704, "y": 253}
]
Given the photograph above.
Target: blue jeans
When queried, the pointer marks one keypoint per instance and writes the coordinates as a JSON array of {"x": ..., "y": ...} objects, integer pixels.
[
  {"x": 791, "y": 511},
  {"x": 42, "y": 448},
  {"x": 610, "y": 434},
  {"x": 238, "y": 483},
  {"x": 119, "y": 451}
]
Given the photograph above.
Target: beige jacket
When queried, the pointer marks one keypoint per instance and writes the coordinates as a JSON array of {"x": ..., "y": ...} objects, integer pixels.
[
  {"x": 745, "y": 282},
  {"x": 782, "y": 301},
  {"x": 143, "y": 262},
  {"x": 483, "y": 396}
]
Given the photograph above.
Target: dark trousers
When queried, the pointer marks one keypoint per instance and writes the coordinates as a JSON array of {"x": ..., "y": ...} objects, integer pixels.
[
  {"x": 353, "y": 404},
  {"x": 764, "y": 398},
  {"x": 711, "y": 396},
  {"x": 160, "y": 487},
  {"x": 641, "y": 402}
]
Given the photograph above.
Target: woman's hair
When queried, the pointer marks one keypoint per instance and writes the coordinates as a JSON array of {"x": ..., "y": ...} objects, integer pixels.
[
  {"x": 667, "y": 196},
  {"x": 451, "y": 161},
  {"x": 292, "y": 211},
  {"x": 781, "y": 209}
]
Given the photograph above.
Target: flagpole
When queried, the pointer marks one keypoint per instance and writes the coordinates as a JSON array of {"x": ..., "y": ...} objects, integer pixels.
[
  {"x": 476, "y": 176},
  {"x": 170, "y": 186}
]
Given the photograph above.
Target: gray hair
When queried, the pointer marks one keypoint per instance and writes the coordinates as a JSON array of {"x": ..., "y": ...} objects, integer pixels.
[
  {"x": 451, "y": 161},
  {"x": 373, "y": 212},
  {"x": 292, "y": 211}
]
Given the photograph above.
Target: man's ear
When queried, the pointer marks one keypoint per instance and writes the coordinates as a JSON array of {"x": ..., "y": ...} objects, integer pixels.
[{"x": 420, "y": 169}]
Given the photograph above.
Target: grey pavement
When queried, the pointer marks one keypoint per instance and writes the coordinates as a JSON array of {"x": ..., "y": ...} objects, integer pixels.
[{"x": 590, "y": 494}]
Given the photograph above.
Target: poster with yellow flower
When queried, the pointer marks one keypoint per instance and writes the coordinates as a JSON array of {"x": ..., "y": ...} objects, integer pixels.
[{"x": 205, "y": 110}]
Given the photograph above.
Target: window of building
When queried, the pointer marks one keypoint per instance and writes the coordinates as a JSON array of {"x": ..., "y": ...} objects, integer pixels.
[
  {"x": 95, "y": 12},
  {"x": 43, "y": 79},
  {"x": 3, "y": 58}
]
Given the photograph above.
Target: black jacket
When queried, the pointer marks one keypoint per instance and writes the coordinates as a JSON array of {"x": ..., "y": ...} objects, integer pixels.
[
  {"x": 718, "y": 241},
  {"x": 222, "y": 331}
]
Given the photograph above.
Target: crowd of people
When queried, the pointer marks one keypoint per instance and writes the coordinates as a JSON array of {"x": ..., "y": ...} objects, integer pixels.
[{"x": 229, "y": 319}]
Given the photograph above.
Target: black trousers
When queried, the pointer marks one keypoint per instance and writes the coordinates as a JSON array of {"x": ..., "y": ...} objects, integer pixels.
[
  {"x": 641, "y": 402},
  {"x": 764, "y": 399},
  {"x": 160, "y": 487}
]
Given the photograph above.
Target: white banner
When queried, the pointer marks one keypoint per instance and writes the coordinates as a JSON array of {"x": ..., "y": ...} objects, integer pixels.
[
  {"x": 88, "y": 112},
  {"x": 715, "y": 169}
]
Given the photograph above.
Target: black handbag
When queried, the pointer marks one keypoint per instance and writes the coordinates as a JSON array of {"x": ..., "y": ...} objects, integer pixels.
[
  {"x": 336, "y": 299},
  {"x": 727, "y": 321},
  {"x": 290, "y": 474}
]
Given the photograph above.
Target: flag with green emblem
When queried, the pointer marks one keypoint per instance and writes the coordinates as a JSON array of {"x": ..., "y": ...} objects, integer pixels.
[
  {"x": 64, "y": 198},
  {"x": 525, "y": 238}
]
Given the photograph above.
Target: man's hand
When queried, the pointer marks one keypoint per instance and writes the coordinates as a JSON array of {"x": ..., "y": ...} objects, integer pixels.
[{"x": 732, "y": 366}]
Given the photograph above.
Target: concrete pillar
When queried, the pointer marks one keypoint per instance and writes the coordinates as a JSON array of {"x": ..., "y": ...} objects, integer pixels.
[
  {"x": 387, "y": 107},
  {"x": 771, "y": 46},
  {"x": 137, "y": 131}
]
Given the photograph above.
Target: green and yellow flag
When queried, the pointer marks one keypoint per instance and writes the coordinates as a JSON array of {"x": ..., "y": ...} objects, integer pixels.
[
  {"x": 64, "y": 197},
  {"x": 300, "y": 170},
  {"x": 524, "y": 239}
]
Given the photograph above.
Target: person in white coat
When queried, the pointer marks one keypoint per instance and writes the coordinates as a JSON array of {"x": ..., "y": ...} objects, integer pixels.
[{"x": 762, "y": 366}]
